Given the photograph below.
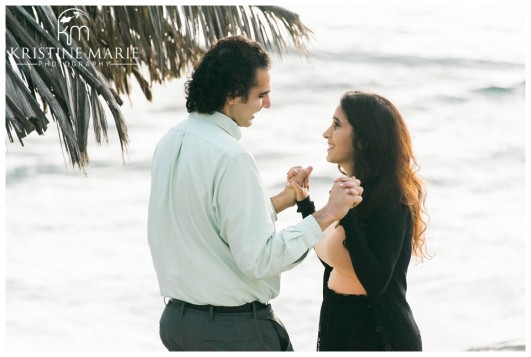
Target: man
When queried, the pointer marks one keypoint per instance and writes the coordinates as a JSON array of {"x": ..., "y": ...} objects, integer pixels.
[{"x": 211, "y": 229}]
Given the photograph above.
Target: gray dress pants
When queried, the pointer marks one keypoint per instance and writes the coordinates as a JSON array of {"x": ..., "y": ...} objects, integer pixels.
[{"x": 186, "y": 329}]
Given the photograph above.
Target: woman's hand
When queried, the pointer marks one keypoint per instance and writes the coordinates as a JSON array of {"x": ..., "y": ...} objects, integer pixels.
[
  {"x": 298, "y": 177},
  {"x": 352, "y": 186},
  {"x": 299, "y": 180},
  {"x": 344, "y": 195}
]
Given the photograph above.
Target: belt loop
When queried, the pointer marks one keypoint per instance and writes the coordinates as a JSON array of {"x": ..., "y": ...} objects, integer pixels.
[
  {"x": 256, "y": 325},
  {"x": 183, "y": 305},
  {"x": 164, "y": 299},
  {"x": 211, "y": 312},
  {"x": 254, "y": 309}
]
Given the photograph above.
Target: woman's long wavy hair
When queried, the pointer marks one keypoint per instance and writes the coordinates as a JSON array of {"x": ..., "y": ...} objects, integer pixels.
[
  {"x": 384, "y": 161},
  {"x": 228, "y": 69}
]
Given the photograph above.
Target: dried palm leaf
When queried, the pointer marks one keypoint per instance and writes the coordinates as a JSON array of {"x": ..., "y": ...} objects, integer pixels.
[{"x": 165, "y": 41}]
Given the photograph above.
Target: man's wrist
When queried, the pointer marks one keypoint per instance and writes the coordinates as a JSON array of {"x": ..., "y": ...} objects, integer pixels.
[
  {"x": 282, "y": 201},
  {"x": 324, "y": 218}
]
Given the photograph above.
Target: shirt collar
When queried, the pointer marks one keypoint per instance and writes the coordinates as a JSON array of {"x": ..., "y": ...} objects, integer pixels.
[{"x": 223, "y": 121}]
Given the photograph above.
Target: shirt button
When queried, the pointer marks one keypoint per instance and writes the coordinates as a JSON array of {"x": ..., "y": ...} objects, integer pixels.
[
  {"x": 379, "y": 328},
  {"x": 388, "y": 347}
]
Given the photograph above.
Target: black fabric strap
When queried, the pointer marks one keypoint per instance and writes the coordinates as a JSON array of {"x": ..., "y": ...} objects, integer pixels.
[{"x": 306, "y": 207}]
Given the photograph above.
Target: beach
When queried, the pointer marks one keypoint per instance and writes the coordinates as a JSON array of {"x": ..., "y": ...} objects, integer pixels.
[{"x": 78, "y": 270}]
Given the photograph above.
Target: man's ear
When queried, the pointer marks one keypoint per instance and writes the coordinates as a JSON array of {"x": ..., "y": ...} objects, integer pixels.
[{"x": 230, "y": 100}]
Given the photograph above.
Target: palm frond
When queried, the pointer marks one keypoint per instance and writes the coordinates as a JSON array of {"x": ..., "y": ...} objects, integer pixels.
[{"x": 165, "y": 41}]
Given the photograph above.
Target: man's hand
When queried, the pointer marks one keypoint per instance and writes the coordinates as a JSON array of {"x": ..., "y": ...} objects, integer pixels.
[
  {"x": 299, "y": 181},
  {"x": 297, "y": 175}
]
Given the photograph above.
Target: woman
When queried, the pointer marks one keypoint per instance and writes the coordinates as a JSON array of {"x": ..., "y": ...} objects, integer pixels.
[{"x": 367, "y": 254}]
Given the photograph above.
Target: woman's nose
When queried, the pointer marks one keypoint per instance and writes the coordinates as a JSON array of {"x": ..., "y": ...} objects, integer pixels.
[{"x": 326, "y": 134}]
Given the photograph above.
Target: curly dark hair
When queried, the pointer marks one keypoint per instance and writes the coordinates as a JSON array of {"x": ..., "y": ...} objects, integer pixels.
[{"x": 228, "y": 69}]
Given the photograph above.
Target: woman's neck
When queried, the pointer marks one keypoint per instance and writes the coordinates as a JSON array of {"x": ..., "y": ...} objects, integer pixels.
[{"x": 346, "y": 170}]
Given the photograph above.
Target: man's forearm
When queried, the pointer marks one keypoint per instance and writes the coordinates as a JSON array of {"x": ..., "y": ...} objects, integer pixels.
[
  {"x": 324, "y": 217},
  {"x": 282, "y": 201}
]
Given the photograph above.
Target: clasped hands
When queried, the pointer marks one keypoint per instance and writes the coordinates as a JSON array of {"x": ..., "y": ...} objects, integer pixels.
[{"x": 346, "y": 192}]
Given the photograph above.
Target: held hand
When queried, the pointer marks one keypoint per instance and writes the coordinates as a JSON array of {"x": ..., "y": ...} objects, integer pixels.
[
  {"x": 299, "y": 176},
  {"x": 344, "y": 195},
  {"x": 299, "y": 180},
  {"x": 351, "y": 185},
  {"x": 300, "y": 192}
]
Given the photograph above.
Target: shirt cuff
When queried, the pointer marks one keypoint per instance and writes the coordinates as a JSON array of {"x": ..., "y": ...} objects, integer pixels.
[{"x": 273, "y": 212}]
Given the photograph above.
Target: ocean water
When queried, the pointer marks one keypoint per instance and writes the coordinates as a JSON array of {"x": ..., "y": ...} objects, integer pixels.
[{"x": 78, "y": 271}]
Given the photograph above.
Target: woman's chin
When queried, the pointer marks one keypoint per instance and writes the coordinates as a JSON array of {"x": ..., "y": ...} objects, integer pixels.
[{"x": 330, "y": 160}]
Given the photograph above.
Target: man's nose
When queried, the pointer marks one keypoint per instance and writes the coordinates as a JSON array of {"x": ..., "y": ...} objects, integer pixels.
[{"x": 267, "y": 102}]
